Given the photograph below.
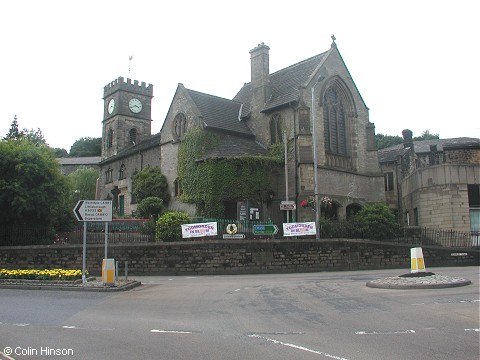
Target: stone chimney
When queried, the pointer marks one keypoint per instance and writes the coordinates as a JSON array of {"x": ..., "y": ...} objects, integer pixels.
[
  {"x": 407, "y": 139},
  {"x": 260, "y": 73}
]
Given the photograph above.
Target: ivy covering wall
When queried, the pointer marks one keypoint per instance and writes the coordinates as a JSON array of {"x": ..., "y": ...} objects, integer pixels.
[{"x": 211, "y": 182}]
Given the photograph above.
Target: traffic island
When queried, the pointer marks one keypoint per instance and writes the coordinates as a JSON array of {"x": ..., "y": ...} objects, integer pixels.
[
  {"x": 92, "y": 284},
  {"x": 425, "y": 280}
]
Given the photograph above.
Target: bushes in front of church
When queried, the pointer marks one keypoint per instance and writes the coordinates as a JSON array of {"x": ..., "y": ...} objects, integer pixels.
[
  {"x": 169, "y": 226},
  {"x": 150, "y": 182},
  {"x": 377, "y": 221},
  {"x": 150, "y": 208}
]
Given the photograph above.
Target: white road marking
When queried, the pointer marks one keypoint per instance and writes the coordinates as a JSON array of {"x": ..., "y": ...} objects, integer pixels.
[
  {"x": 298, "y": 347},
  {"x": 21, "y": 324},
  {"x": 384, "y": 332},
  {"x": 171, "y": 331},
  {"x": 477, "y": 330},
  {"x": 448, "y": 302},
  {"x": 82, "y": 328}
]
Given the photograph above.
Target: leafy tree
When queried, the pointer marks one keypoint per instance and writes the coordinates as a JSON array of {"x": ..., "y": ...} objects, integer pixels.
[
  {"x": 150, "y": 207},
  {"x": 32, "y": 189},
  {"x": 150, "y": 182},
  {"x": 13, "y": 133},
  {"x": 377, "y": 221},
  {"x": 169, "y": 226},
  {"x": 34, "y": 136},
  {"x": 385, "y": 141},
  {"x": 426, "y": 136},
  {"x": 83, "y": 184},
  {"x": 59, "y": 153},
  {"x": 86, "y": 146}
]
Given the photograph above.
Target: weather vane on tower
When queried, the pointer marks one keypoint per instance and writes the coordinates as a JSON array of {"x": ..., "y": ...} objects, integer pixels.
[{"x": 130, "y": 57}]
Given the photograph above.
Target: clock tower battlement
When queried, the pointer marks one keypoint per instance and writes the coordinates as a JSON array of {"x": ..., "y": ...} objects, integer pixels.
[
  {"x": 127, "y": 115},
  {"x": 120, "y": 84}
]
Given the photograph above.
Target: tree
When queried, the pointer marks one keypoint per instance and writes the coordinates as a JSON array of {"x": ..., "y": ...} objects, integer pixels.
[
  {"x": 426, "y": 136},
  {"x": 59, "y": 153},
  {"x": 385, "y": 141},
  {"x": 377, "y": 221},
  {"x": 83, "y": 184},
  {"x": 169, "y": 226},
  {"x": 86, "y": 146},
  {"x": 150, "y": 182},
  {"x": 34, "y": 136},
  {"x": 13, "y": 133},
  {"x": 32, "y": 189},
  {"x": 150, "y": 208}
]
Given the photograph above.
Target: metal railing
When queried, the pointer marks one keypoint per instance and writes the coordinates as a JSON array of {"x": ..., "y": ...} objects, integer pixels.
[{"x": 138, "y": 231}]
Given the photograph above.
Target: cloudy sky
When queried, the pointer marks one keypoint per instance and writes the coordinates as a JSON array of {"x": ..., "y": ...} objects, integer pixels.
[{"x": 415, "y": 63}]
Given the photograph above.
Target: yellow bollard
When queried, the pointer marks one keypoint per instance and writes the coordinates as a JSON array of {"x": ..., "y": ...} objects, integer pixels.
[
  {"x": 417, "y": 262},
  {"x": 108, "y": 271}
]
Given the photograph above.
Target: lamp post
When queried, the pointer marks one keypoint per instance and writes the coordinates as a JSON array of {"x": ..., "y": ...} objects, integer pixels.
[{"x": 315, "y": 164}]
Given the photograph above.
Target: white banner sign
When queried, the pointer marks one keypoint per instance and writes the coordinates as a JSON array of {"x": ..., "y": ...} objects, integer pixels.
[
  {"x": 199, "y": 230},
  {"x": 299, "y": 229}
]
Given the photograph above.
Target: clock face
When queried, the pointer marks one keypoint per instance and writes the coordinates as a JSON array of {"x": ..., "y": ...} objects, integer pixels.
[
  {"x": 135, "y": 105},
  {"x": 111, "y": 106}
]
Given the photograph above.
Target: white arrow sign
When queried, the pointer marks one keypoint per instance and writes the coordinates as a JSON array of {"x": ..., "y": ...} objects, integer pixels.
[{"x": 93, "y": 210}]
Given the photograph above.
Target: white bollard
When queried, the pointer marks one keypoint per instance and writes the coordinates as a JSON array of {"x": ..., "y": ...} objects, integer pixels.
[
  {"x": 108, "y": 271},
  {"x": 417, "y": 262}
]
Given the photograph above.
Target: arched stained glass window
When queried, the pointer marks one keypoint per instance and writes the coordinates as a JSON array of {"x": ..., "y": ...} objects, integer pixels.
[{"x": 334, "y": 123}]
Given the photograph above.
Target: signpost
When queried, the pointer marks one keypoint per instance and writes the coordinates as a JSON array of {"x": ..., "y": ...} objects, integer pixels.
[
  {"x": 288, "y": 205},
  {"x": 92, "y": 210},
  {"x": 265, "y": 229}
]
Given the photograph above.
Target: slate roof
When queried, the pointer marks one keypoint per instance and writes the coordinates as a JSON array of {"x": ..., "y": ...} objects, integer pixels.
[
  {"x": 421, "y": 147},
  {"x": 284, "y": 83},
  {"x": 150, "y": 142},
  {"x": 231, "y": 146},
  {"x": 219, "y": 113},
  {"x": 86, "y": 160}
]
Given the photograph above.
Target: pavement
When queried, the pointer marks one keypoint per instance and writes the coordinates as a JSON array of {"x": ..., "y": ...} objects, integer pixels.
[{"x": 425, "y": 280}]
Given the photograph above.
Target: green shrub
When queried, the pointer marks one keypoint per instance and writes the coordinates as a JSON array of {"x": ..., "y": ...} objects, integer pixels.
[
  {"x": 150, "y": 207},
  {"x": 377, "y": 221},
  {"x": 169, "y": 226}
]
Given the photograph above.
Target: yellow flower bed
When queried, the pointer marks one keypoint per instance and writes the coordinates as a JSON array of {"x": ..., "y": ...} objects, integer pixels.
[{"x": 54, "y": 274}]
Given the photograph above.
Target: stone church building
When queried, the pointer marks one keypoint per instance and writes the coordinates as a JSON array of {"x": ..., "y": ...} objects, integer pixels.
[{"x": 317, "y": 95}]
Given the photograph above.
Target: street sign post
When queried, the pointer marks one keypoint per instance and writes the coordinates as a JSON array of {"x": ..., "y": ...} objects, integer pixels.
[
  {"x": 92, "y": 210},
  {"x": 288, "y": 205},
  {"x": 269, "y": 229}
]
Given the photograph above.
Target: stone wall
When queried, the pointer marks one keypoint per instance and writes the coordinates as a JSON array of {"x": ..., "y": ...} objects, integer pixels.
[{"x": 236, "y": 257}]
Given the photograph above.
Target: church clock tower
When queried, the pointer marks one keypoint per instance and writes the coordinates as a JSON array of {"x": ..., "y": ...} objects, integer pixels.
[{"x": 127, "y": 115}]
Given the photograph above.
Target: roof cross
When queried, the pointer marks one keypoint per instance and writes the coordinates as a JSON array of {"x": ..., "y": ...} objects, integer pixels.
[{"x": 333, "y": 41}]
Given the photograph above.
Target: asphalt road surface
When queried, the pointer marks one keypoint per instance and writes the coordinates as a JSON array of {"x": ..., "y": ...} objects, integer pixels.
[{"x": 327, "y": 315}]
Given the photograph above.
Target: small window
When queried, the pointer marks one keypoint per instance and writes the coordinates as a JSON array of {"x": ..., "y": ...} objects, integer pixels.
[
  {"x": 122, "y": 172},
  {"x": 178, "y": 187},
  {"x": 109, "y": 175},
  {"x": 388, "y": 177},
  {"x": 275, "y": 129},
  {"x": 304, "y": 120},
  {"x": 473, "y": 195},
  {"x": 132, "y": 136},
  {"x": 109, "y": 138}
]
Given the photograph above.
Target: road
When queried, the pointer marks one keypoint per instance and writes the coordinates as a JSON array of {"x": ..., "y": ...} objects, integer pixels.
[{"x": 327, "y": 315}]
